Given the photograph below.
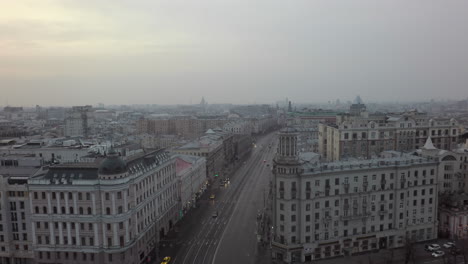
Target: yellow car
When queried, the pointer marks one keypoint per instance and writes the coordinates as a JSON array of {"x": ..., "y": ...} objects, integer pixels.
[
  {"x": 166, "y": 260},
  {"x": 212, "y": 197}
]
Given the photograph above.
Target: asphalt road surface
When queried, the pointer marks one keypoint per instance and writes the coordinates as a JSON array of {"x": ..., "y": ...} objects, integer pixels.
[{"x": 231, "y": 236}]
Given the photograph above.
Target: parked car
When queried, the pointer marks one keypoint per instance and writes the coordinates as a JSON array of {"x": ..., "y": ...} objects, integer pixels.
[
  {"x": 433, "y": 247},
  {"x": 438, "y": 253},
  {"x": 448, "y": 245},
  {"x": 215, "y": 214}
]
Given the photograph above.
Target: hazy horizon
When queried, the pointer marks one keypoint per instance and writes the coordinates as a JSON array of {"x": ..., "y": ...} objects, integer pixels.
[{"x": 64, "y": 52}]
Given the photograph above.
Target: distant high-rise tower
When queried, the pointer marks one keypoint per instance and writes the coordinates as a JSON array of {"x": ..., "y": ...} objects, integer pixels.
[
  {"x": 289, "y": 107},
  {"x": 357, "y": 107},
  {"x": 78, "y": 120},
  {"x": 203, "y": 104}
]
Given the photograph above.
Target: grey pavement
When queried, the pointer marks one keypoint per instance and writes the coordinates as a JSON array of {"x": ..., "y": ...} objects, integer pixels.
[
  {"x": 196, "y": 237},
  {"x": 239, "y": 241}
]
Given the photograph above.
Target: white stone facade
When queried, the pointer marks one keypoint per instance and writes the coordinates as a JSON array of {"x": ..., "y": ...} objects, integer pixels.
[
  {"x": 333, "y": 209},
  {"x": 80, "y": 217}
]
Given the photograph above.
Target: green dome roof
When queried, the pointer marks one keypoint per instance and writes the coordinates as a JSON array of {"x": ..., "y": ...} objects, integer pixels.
[{"x": 112, "y": 164}]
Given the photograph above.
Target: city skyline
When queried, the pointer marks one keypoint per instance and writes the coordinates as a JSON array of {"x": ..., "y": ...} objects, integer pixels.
[{"x": 173, "y": 52}]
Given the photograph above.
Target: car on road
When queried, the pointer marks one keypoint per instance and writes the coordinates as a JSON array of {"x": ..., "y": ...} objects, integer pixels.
[
  {"x": 264, "y": 161},
  {"x": 212, "y": 197},
  {"x": 166, "y": 260},
  {"x": 432, "y": 247},
  {"x": 455, "y": 251},
  {"x": 215, "y": 214},
  {"x": 448, "y": 245},
  {"x": 438, "y": 253}
]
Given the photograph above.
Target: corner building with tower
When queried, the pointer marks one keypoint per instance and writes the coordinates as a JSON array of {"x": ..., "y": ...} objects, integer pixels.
[
  {"x": 323, "y": 210},
  {"x": 115, "y": 211}
]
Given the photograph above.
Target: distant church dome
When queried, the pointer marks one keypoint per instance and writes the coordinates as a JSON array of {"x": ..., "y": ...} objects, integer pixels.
[{"x": 112, "y": 164}]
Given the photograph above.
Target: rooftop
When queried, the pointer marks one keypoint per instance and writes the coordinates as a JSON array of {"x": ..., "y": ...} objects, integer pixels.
[
  {"x": 393, "y": 161},
  {"x": 69, "y": 173}
]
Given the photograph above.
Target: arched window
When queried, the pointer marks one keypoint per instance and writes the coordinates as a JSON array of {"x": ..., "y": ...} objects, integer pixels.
[
  {"x": 81, "y": 210},
  {"x": 37, "y": 209},
  {"x": 108, "y": 211},
  {"x": 63, "y": 210},
  {"x": 44, "y": 210},
  {"x": 90, "y": 211},
  {"x": 71, "y": 210},
  {"x": 449, "y": 157}
]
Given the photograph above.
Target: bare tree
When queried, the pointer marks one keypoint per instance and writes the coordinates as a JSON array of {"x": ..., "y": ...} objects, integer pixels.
[
  {"x": 463, "y": 245},
  {"x": 409, "y": 250}
]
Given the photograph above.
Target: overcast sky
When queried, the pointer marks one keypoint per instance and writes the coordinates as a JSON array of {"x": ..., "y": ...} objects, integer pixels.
[{"x": 242, "y": 51}]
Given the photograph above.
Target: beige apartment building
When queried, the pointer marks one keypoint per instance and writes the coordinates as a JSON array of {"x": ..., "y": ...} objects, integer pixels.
[
  {"x": 184, "y": 126},
  {"x": 365, "y": 136},
  {"x": 114, "y": 211},
  {"x": 324, "y": 210}
]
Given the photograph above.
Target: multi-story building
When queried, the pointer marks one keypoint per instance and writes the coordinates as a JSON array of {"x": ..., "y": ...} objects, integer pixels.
[
  {"x": 51, "y": 153},
  {"x": 185, "y": 126},
  {"x": 15, "y": 225},
  {"x": 114, "y": 211},
  {"x": 452, "y": 169},
  {"x": 191, "y": 173},
  {"x": 322, "y": 210},
  {"x": 453, "y": 216},
  {"x": 367, "y": 135},
  {"x": 159, "y": 141},
  {"x": 78, "y": 121},
  {"x": 212, "y": 149},
  {"x": 242, "y": 127},
  {"x": 311, "y": 118}
]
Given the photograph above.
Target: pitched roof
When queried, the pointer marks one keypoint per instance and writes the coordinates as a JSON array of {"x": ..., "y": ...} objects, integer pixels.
[{"x": 429, "y": 144}]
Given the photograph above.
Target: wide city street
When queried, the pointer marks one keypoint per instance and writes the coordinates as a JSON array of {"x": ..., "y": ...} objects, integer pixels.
[{"x": 223, "y": 229}]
